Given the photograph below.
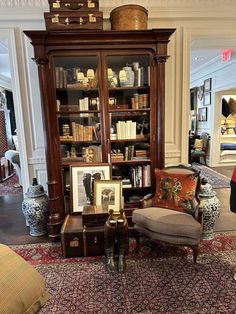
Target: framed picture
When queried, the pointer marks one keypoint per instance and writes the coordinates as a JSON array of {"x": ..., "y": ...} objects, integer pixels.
[
  {"x": 207, "y": 99},
  {"x": 108, "y": 193},
  {"x": 200, "y": 92},
  {"x": 207, "y": 85},
  {"x": 82, "y": 179},
  {"x": 202, "y": 114},
  {"x": 193, "y": 98}
]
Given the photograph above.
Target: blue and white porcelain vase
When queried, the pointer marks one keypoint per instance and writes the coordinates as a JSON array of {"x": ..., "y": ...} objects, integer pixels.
[
  {"x": 211, "y": 209},
  {"x": 35, "y": 209}
]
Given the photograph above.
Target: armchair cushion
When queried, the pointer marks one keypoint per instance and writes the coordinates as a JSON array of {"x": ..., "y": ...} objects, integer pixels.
[
  {"x": 198, "y": 144},
  {"x": 176, "y": 189},
  {"x": 167, "y": 222},
  {"x": 167, "y": 225}
]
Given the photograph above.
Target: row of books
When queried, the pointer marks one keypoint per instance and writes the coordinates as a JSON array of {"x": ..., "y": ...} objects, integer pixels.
[
  {"x": 126, "y": 130},
  {"x": 142, "y": 76},
  {"x": 83, "y": 133},
  {"x": 139, "y": 101},
  {"x": 140, "y": 176}
]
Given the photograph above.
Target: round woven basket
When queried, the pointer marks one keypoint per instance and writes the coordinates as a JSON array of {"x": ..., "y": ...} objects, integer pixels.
[{"x": 129, "y": 17}]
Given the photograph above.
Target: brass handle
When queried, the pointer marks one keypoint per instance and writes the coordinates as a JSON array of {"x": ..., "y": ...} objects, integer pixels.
[
  {"x": 79, "y": 21},
  {"x": 74, "y": 6}
]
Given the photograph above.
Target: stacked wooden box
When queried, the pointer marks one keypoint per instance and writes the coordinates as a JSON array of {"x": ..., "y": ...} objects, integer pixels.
[{"x": 73, "y": 15}]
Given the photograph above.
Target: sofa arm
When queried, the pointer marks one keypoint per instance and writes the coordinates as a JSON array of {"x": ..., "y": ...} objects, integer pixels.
[{"x": 146, "y": 201}]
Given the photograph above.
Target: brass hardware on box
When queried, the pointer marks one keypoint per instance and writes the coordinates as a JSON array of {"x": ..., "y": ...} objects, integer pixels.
[
  {"x": 95, "y": 240},
  {"x": 91, "y": 4},
  {"x": 67, "y": 4},
  {"x": 67, "y": 21},
  {"x": 55, "y": 19},
  {"x": 74, "y": 242},
  {"x": 92, "y": 19},
  {"x": 56, "y": 5},
  {"x": 81, "y": 20}
]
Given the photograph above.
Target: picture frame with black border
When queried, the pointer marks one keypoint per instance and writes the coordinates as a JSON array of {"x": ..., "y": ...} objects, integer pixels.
[
  {"x": 207, "y": 85},
  {"x": 207, "y": 99},
  {"x": 202, "y": 114},
  {"x": 108, "y": 193},
  {"x": 82, "y": 179}
]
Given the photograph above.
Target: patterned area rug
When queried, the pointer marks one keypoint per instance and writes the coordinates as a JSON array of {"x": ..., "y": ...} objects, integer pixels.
[
  {"x": 157, "y": 280},
  {"x": 10, "y": 186},
  {"x": 216, "y": 179}
]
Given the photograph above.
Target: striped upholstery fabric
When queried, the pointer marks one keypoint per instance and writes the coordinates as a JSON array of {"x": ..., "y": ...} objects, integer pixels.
[{"x": 22, "y": 288}]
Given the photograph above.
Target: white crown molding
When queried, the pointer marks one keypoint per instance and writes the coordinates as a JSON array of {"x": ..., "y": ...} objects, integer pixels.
[
  {"x": 108, "y": 3},
  {"x": 224, "y": 9},
  {"x": 5, "y": 82}
]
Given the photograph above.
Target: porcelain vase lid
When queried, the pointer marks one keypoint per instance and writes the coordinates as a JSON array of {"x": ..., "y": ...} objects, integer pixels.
[
  {"x": 35, "y": 190},
  {"x": 206, "y": 190}
]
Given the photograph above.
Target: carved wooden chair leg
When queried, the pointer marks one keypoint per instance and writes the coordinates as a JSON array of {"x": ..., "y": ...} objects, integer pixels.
[
  {"x": 137, "y": 238},
  {"x": 195, "y": 253}
]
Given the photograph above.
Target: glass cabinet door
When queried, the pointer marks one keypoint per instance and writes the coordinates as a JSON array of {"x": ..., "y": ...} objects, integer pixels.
[
  {"x": 129, "y": 118},
  {"x": 78, "y": 108},
  {"x": 78, "y": 111}
]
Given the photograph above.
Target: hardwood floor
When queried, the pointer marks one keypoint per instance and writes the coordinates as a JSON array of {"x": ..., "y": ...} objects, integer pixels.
[{"x": 13, "y": 229}]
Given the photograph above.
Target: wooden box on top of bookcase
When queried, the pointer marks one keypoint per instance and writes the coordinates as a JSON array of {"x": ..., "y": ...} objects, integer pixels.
[{"x": 102, "y": 92}]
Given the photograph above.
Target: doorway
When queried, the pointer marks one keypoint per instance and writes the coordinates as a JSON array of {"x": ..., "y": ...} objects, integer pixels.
[{"x": 10, "y": 80}]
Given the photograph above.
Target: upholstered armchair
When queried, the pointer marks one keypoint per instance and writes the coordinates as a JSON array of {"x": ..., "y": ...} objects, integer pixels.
[
  {"x": 200, "y": 148},
  {"x": 172, "y": 215}
]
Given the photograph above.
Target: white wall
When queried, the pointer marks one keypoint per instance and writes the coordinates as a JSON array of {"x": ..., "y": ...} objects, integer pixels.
[{"x": 189, "y": 17}]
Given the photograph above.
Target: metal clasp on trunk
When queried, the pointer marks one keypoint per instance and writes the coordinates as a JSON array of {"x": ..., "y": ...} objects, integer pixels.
[
  {"x": 55, "y": 19},
  {"x": 56, "y": 5},
  {"x": 91, "y": 4},
  {"x": 92, "y": 18}
]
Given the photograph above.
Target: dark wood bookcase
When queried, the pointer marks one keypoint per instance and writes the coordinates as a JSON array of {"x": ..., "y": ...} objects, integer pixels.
[{"x": 91, "y": 101}]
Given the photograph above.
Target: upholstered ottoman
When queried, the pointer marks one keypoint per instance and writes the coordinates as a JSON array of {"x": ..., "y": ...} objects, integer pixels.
[{"x": 22, "y": 288}]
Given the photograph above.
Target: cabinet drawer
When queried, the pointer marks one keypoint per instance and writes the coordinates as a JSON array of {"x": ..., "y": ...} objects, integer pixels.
[
  {"x": 73, "y": 20},
  {"x": 73, "y": 5}
]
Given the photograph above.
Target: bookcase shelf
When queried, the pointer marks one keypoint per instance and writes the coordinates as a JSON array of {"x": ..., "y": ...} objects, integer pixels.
[{"x": 129, "y": 88}]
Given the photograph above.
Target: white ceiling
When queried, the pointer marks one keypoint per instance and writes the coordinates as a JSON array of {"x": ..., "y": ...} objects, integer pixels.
[{"x": 205, "y": 50}]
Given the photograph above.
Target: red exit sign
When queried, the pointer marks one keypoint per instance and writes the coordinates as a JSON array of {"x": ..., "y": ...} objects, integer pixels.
[{"x": 226, "y": 55}]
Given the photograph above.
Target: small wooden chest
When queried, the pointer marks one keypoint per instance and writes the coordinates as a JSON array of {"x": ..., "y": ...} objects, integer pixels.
[
  {"x": 73, "y": 20},
  {"x": 78, "y": 240},
  {"x": 72, "y": 236},
  {"x": 73, "y": 5},
  {"x": 94, "y": 215}
]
